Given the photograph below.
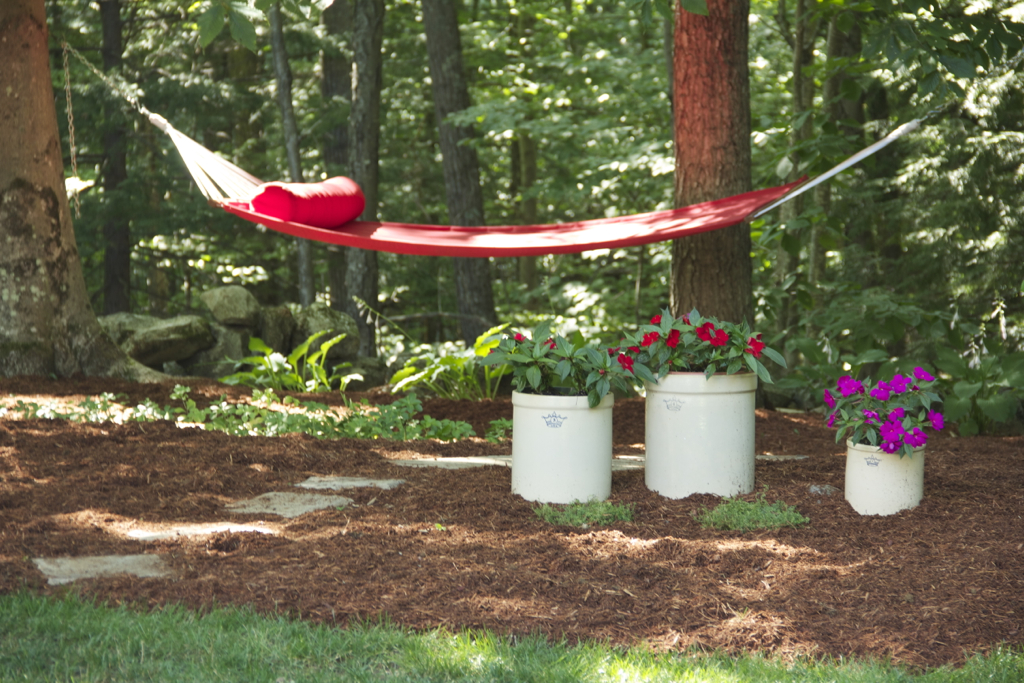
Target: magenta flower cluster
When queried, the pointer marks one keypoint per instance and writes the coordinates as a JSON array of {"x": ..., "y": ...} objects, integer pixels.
[{"x": 889, "y": 415}]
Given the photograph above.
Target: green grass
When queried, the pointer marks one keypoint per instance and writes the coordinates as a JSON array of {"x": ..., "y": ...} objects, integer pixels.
[
  {"x": 735, "y": 514},
  {"x": 67, "y": 639},
  {"x": 591, "y": 513}
]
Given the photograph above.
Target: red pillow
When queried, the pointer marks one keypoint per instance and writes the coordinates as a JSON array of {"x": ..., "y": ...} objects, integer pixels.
[{"x": 328, "y": 204}]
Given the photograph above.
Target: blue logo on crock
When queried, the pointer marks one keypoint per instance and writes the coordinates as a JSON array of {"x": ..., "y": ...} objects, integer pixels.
[
  {"x": 872, "y": 461},
  {"x": 554, "y": 420},
  {"x": 673, "y": 404}
]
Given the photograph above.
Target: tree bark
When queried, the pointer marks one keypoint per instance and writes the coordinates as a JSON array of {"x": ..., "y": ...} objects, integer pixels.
[
  {"x": 117, "y": 251},
  {"x": 364, "y": 137},
  {"x": 46, "y": 323},
  {"x": 283, "y": 76},
  {"x": 336, "y": 88},
  {"x": 459, "y": 161},
  {"x": 711, "y": 101}
]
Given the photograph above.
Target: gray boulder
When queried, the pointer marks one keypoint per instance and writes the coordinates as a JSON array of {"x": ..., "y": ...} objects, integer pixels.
[
  {"x": 121, "y": 326},
  {"x": 277, "y": 325},
  {"x": 232, "y": 344},
  {"x": 232, "y": 305},
  {"x": 319, "y": 317},
  {"x": 155, "y": 342},
  {"x": 374, "y": 371}
]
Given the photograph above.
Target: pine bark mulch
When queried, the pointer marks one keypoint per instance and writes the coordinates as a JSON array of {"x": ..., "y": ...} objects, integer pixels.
[{"x": 455, "y": 548}]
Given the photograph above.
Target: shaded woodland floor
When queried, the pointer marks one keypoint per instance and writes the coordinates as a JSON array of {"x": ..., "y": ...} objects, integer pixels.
[{"x": 455, "y": 548}]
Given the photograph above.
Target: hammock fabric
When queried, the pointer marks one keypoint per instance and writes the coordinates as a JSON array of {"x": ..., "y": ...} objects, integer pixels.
[
  {"x": 284, "y": 206},
  {"x": 522, "y": 240},
  {"x": 329, "y": 205}
]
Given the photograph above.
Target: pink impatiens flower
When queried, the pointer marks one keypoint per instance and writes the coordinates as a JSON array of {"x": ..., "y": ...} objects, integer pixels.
[
  {"x": 936, "y": 419},
  {"x": 848, "y": 386},
  {"x": 916, "y": 438},
  {"x": 882, "y": 392},
  {"x": 922, "y": 375},
  {"x": 889, "y": 446},
  {"x": 899, "y": 383},
  {"x": 830, "y": 401}
]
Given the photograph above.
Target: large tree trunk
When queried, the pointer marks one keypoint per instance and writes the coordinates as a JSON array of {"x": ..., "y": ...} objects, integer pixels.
[
  {"x": 364, "y": 138},
  {"x": 711, "y": 102},
  {"x": 336, "y": 89},
  {"x": 46, "y": 323},
  {"x": 117, "y": 252},
  {"x": 461, "y": 167},
  {"x": 283, "y": 75}
]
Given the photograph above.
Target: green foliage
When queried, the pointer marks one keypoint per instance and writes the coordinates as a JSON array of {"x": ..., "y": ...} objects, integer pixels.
[
  {"x": 735, "y": 514},
  {"x": 981, "y": 390},
  {"x": 592, "y": 513},
  {"x": 300, "y": 371},
  {"x": 544, "y": 363},
  {"x": 268, "y": 416},
  {"x": 498, "y": 430},
  {"x": 452, "y": 372}
]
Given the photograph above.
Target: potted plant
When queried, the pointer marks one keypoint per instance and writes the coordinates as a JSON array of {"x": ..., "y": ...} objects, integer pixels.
[
  {"x": 561, "y": 414},
  {"x": 883, "y": 427},
  {"x": 701, "y": 376}
]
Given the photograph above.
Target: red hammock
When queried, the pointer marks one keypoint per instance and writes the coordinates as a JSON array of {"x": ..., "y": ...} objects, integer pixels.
[{"x": 524, "y": 240}]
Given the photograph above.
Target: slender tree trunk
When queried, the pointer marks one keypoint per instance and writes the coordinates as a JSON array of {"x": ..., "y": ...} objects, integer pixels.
[
  {"x": 364, "y": 138},
  {"x": 712, "y": 271},
  {"x": 283, "y": 75},
  {"x": 336, "y": 89},
  {"x": 117, "y": 266},
  {"x": 459, "y": 162},
  {"x": 46, "y": 323},
  {"x": 527, "y": 149}
]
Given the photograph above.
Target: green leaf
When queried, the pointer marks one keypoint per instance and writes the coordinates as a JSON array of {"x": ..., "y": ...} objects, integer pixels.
[
  {"x": 999, "y": 408},
  {"x": 695, "y": 6},
  {"x": 959, "y": 67},
  {"x": 967, "y": 427},
  {"x": 210, "y": 24},
  {"x": 956, "y": 408},
  {"x": 533, "y": 376},
  {"x": 242, "y": 29},
  {"x": 966, "y": 390}
]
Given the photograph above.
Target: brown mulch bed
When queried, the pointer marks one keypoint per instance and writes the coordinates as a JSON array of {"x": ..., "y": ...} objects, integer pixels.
[{"x": 456, "y": 549}]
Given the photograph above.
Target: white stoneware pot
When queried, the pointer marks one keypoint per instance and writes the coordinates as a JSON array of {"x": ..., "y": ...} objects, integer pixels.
[
  {"x": 561, "y": 448},
  {"x": 880, "y": 483},
  {"x": 700, "y": 434}
]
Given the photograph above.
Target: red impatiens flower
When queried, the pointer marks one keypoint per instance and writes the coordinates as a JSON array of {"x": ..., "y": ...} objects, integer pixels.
[
  {"x": 626, "y": 362},
  {"x": 612, "y": 352},
  {"x": 550, "y": 343},
  {"x": 672, "y": 341},
  {"x": 708, "y": 333},
  {"x": 634, "y": 349},
  {"x": 519, "y": 337},
  {"x": 650, "y": 338},
  {"x": 755, "y": 346},
  {"x": 656, "y": 320}
]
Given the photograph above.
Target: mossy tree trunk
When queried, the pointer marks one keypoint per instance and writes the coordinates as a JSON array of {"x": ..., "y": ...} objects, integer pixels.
[{"x": 47, "y": 325}]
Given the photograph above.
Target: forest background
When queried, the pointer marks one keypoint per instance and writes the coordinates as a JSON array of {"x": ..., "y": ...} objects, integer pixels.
[{"x": 916, "y": 255}]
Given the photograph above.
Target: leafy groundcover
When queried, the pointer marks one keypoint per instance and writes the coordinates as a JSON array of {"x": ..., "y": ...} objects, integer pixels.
[{"x": 455, "y": 548}]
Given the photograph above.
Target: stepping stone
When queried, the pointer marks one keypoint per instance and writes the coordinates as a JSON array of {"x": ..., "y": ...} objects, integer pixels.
[
  {"x": 338, "y": 483},
  {"x": 195, "y": 530},
  {"x": 63, "y": 570},
  {"x": 781, "y": 458},
  {"x": 288, "y": 504},
  {"x": 456, "y": 463}
]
